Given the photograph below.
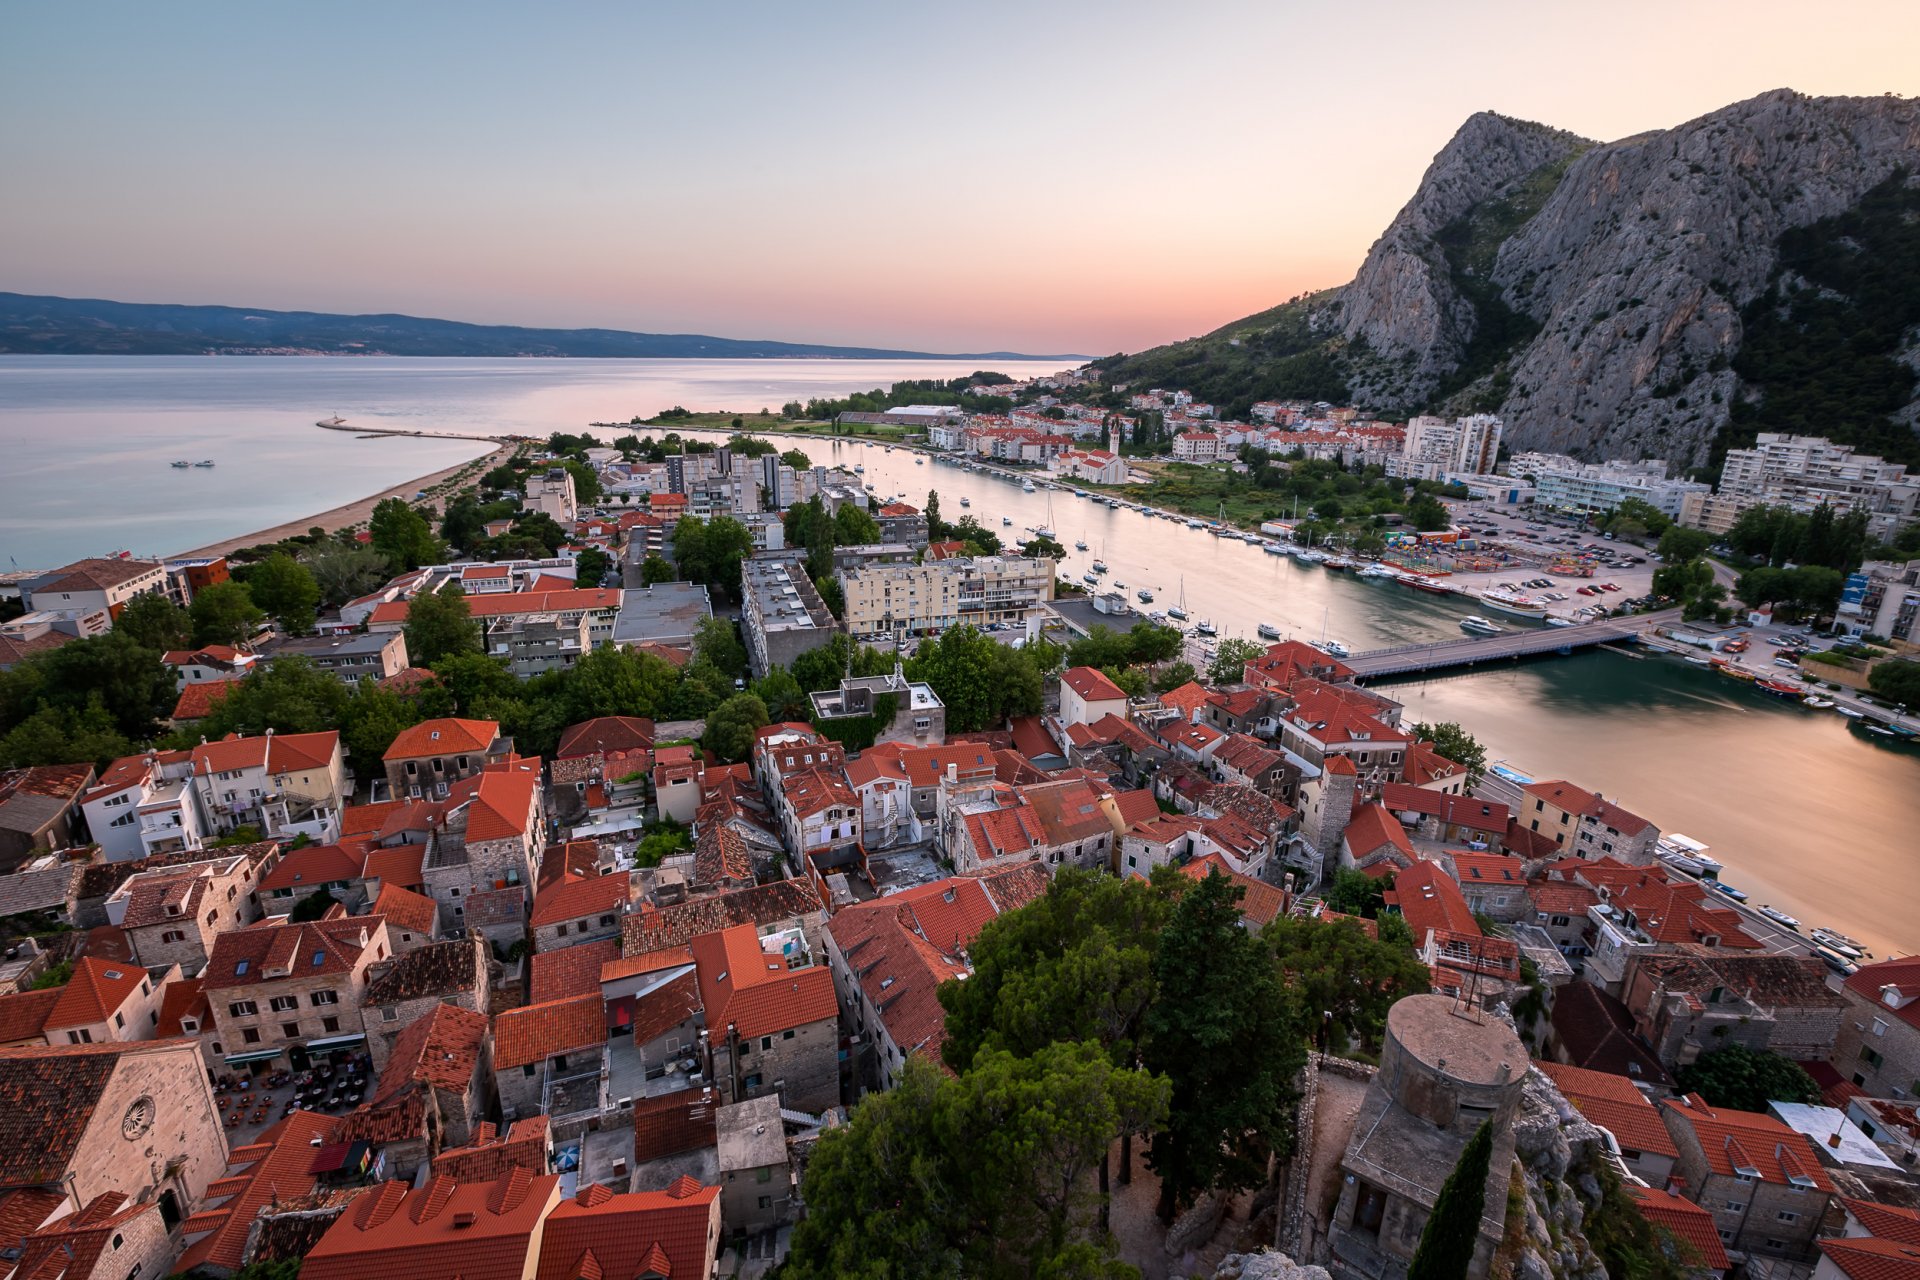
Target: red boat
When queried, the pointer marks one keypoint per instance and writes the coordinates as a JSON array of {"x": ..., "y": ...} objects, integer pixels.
[
  {"x": 1781, "y": 689},
  {"x": 1421, "y": 583}
]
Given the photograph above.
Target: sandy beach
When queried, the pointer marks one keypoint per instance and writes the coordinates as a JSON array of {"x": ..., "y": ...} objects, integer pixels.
[{"x": 352, "y": 513}]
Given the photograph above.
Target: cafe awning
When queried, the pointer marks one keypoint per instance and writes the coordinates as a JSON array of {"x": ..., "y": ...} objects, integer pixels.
[
  {"x": 334, "y": 1042},
  {"x": 251, "y": 1055}
]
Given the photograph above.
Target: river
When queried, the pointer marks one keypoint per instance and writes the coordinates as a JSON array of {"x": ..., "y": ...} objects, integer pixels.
[{"x": 1818, "y": 819}]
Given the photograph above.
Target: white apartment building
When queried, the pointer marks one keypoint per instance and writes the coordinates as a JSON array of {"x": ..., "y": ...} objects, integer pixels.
[
  {"x": 1197, "y": 446},
  {"x": 1882, "y": 599},
  {"x": 918, "y": 599},
  {"x": 1802, "y": 472},
  {"x": 551, "y": 491},
  {"x": 1567, "y": 484},
  {"x": 1436, "y": 447}
]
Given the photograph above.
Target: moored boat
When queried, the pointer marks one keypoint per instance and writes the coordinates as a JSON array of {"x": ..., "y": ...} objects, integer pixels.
[
  {"x": 1480, "y": 626},
  {"x": 1512, "y": 602},
  {"x": 1779, "y": 917},
  {"x": 1144, "y": 596},
  {"x": 1816, "y": 702},
  {"x": 1268, "y": 631},
  {"x": 1333, "y": 648},
  {"x": 1204, "y": 627},
  {"x": 1421, "y": 582}
]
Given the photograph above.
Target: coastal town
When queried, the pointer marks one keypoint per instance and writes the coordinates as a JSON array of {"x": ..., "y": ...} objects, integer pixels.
[{"x": 537, "y": 877}]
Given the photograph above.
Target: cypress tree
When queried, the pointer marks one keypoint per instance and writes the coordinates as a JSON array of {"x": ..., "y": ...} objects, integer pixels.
[{"x": 1446, "y": 1242}]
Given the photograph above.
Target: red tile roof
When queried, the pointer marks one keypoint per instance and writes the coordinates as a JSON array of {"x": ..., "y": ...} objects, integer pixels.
[
  {"x": 97, "y": 989},
  {"x": 536, "y": 1032},
  {"x": 1092, "y": 684},
  {"x": 671, "y": 1233},
  {"x": 1486, "y": 868},
  {"x": 476, "y": 1231},
  {"x": 406, "y": 910},
  {"x": 1861, "y": 1258},
  {"x": 491, "y": 1154},
  {"x": 672, "y": 1123},
  {"x": 503, "y": 801},
  {"x": 1886, "y": 1221},
  {"x": 1682, "y": 913},
  {"x": 607, "y": 735},
  {"x": 1561, "y": 898},
  {"x": 581, "y": 897},
  {"x": 754, "y": 991},
  {"x": 1689, "y": 1223},
  {"x": 269, "y": 952},
  {"x": 1373, "y": 830},
  {"x": 276, "y": 753},
  {"x": 316, "y": 865},
  {"x": 443, "y": 737},
  {"x": 1613, "y": 1103},
  {"x": 1261, "y": 902},
  {"x": 1746, "y": 1141},
  {"x": 1893, "y": 985},
  {"x": 661, "y": 1009},
  {"x": 571, "y": 971},
  {"x": 1429, "y": 899},
  {"x": 398, "y": 867},
  {"x": 275, "y": 1166},
  {"x": 196, "y": 701},
  {"x": 1470, "y": 812},
  {"x": 23, "y": 1014}
]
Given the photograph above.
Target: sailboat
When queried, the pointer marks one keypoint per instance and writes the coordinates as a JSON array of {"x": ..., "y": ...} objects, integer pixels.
[
  {"x": 1046, "y": 530},
  {"x": 1180, "y": 610},
  {"x": 1333, "y": 647}
]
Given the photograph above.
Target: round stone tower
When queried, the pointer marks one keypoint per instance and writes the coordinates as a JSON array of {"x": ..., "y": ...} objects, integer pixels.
[{"x": 1451, "y": 1066}]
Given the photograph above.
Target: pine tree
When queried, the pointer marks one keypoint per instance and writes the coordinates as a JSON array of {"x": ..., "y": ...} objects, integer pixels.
[{"x": 1453, "y": 1228}]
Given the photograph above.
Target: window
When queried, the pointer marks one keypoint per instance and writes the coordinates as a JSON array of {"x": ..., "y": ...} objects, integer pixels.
[
  {"x": 607, "y": 921},
  {"x": 766, "y": 1042},
  {"x": 1778, "y": 1246},
  {"x": 250, "y": 1035},
  {"x": 1736, "y": 1206},
  {"x": 243, "y": 1008},
  {"x": 284, "y": 1004},
  {"x": 527, "y": 1070},
  {"x": 320, "y": 998},
  {"x": 1871, "y": 1058},
  {"x": 1879, "y": 1027},
  {"x": 560, "y": 930},
  {"x": 290, "y": 1030},
  {"x": 330, "y": 1025},
  {"x": 173, "y": 935},
  {"x": 389, "y": 1014},
  {"x": 1726, "y": 1237},
  {"x": 1786, "y": 1215},
  {"x": 82, "y": 1036},
  {"x": 120, "y": 1020},
  {"x": 787, "y": 1034},
  {"x": 766, "y": 1202}
]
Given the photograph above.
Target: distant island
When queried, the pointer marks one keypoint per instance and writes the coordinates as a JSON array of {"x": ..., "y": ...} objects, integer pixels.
[{"x": 31, "y": 325}]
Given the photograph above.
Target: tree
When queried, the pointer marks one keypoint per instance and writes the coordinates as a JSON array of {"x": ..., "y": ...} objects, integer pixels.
[
  {"x": 61, "y": 735},
  {"x": 716, "y": 641},
  {"x": 586, "y": 481},
  {"x": 1173, "y": 675},
  {"x": 402, "y": 535},
  {"x": 114, "y": 672},
  {"x": 783, "y": 696},
  {"x": 344, "y": 571},
  {"x": 612, "y": 681},
  {"x": 1345, "y": 981},
  {"x": 959, "y": 664},
  {"x": 290, "y": 696},
  {"x": 465, "y": 524},
  {"x": 1152, "y": 642},
  {"x": 439, "y": 625},
  {"x": 1230, "y": 1044},
  {"x": 1428, "y": 514},
  {"x": 1043, "y": 548},
  {"x": 796, "y": 459},
  {"x": 224, "y": 613},
  {"x": 731, "y": 726},
  {"x": 1897, "y": 680},
  {"x": 590, "y": 569},
  {"x": 374, "y": 718},
  {"x": 655, "y": 570},
  {"x": 711, "y": 551},
  {"x": 1231, "y": 659},
  {"x": 286, "y": 589},
  {"x": 312, "y": 907},
  {"x": 1681, "y": 543},
  {"x": 1457, "y": 745},
  {"x": 154, "y": 621},
  {"x": 1355, "y": 893},
  {"x": 822, "y": 668},
  {"x": 1739, "y": 1079},
  {"x": 853, "y": 527},
  {"x": 1130, "y": 682},
  {"x": 833, "y": 595},
  {"x": 1452, "y": 1232}
]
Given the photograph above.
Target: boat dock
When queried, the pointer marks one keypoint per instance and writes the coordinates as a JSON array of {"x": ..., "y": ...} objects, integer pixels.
[{"x": 1414, "y": 658}]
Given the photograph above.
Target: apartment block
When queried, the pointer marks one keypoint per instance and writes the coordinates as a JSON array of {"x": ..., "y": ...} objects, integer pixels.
[{"x": 920, "y": 599}]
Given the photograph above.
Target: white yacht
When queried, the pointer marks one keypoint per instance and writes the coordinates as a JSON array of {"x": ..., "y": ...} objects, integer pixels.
[
  {"x": 1507, "y": 600},
  {"x": 1480, "y": 626}
]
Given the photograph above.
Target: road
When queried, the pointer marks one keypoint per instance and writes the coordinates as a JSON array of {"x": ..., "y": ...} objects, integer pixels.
[{"x": 1511, "y": 644}]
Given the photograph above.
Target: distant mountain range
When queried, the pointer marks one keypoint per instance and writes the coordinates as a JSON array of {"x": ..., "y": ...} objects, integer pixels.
[
  {"x": 94, "y": 327},
  {"x": 1756, "y": 269}
]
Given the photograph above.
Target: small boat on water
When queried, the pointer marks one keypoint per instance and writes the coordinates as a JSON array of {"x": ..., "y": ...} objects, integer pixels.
[
  {"x": 1850, "y": 713},
  {"x": 1505, "y": 600},
  {"x": 182, "y": 465},
  {"x": 966, "y": 502},
  {"x": 1144, "y": 596},
  {"x": 1177, "y": 612},
  {"x": 1557, "y": 621},
  {"x": 207, "y": 463},
  {"x": 918, "y": 462},
  {"x": 1158, "y": 617},
  {"x": 1273, "y": 548},
  {"x": 1005, "y": 522},
  {"x": 860, "y": 468},
  {"x": 1779, "y": 917},
  {"x": 1421, "y": 582},
  {"x": 1333, "y": 648},
  {"x": 1091, "y": 579},
  {"x": 1339, "y": 564},
  {"x": 1099, "y": 566},
  {"x": 1738, "y": 895},
  {"x": 335, "y": 421},
  {"x": 1204, "y": 627},
  {"x": 1026, "y": 486},
  {"x": 1378, "y": 570},
  {"x": 1834, "y": 940},
  {"x": 1480, "y": 626},
  {"x": 1817, "y": 703},
  {"x": 1734, "y": 671},
  {"x": 1697, "y": 660},
  {"x": 1080, "y": 544},
  {"x": 1267, "y": 631},
  {"x": 1779, "y": 688}
]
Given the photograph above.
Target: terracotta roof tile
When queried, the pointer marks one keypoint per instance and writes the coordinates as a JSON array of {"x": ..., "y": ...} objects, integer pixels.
[
  {"x": 97, "y": 989},
  {"x": 654, "y": 928},
  {"x": 479, "y": 1231},
  {"x": 1613, "y": 1103},
  {"x": 669, "y": 1233},
  {"x": 581, "y": 897},
  {"x": 443, "y": 737},
  {"x": 536, "y": 1032},
  {"x": 754, "y": 991},
  {"x": 1689, "y": 1223},
  {"x": 1427, "y": 898},
  {"x": 439, "y": 969},
  {"x": 571, "y": 971},
  {"x": 491, "y": 1155},
  {"x": 24, "y": 1014},
  {"x": 1867, "y": 1259},
  {"x": 1747, "y": 1140},
  {"x": 317, "y": 864}
]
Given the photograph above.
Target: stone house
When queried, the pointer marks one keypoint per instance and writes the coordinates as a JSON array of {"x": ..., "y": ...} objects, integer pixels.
[
  {"x": 1087, "y": 695},
  {"x": 107, "y": 1000},
  {"x": 413, "y": 984},
  {"x": 579, "y": 908},
  {"x": 756, "y": 1176},
  {"x": 292, "y": 990},
  {"x": 771, "y": 1018},
  {"x": 413, "y": 919},
  {"x": 1441, "y": 815},
  {"x": 1493, "y": 884},
  {"x": 433, "y": 1091},
  {"x": 1698, "y": 999},
  {"x": 493, "y": 839},
  {"x": 1620, "y": 1107},
  {"x": 286, "y": 784},
  {"x": 112, "y": 1238},
  {"x": 1762, "y": 1182},
  {"x": 1877, "y": 1046},
  {"x": 90, "y": 1120},
  {"x": 424, "y": 760},
  {"x": 39, "y": 809},
  {"x": 336, "y": 870},
  {"x": 172, "y": 914},
  {"x": 552, "y": 1058},
  {"x": 772, "y": 907},
  {"x": 1586, "y": 824}
]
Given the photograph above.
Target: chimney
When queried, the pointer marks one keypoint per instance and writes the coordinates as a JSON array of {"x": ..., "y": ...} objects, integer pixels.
[{"x": 464, "y": 1220}]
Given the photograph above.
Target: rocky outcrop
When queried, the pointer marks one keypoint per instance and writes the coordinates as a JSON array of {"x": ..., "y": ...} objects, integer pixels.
[
  {"x": 1266, "y": 1265},
  {"x": 1557, "y": 1155},
  {"x": 1402, "y": 302},
  {"x": 1637, "y": 264}
]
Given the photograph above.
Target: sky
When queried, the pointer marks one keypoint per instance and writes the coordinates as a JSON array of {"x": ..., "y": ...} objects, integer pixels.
[{"x": 1043, "y": 177}]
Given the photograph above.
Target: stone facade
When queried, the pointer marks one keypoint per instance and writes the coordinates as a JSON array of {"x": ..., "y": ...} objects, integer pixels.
[
  {"x": 182, "y": 1150},
  {"x": 801, "y": 1064},
  {"x": 1876, "y": 1049}
]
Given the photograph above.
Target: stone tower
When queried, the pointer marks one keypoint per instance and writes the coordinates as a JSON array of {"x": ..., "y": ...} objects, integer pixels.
[{"x": 1329, "y": 807}]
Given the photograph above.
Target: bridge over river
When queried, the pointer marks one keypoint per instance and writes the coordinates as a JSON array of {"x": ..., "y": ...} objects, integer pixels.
[{"x": 1471, "y": 650}]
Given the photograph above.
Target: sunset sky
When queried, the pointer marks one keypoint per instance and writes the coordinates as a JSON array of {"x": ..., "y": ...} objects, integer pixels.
[{"x": 1039, "y": 177}]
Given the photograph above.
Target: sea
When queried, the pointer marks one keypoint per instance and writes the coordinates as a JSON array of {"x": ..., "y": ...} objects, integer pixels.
[
  {"x": 1809, "y": 814},
  {"x": 88, "y": 441}
]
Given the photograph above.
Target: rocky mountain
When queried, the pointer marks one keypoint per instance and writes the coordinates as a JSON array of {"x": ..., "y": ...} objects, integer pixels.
[
  {"x": 91, "y": 326},
  {"x": 1599, "y": 295}
]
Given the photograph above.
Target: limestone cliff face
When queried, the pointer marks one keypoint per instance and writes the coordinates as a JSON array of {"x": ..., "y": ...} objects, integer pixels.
[
  {"x": 1634, "y": 268},
  {"x": 1403, "y": 302}
]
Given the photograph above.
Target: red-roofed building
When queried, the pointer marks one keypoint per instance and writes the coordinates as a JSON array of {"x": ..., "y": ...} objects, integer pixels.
[
  {"x": 1326, "y": 720},
  {"x": 1586, "y": 824},
  {"x": 1260, "y": 903},
  {"x": 771, "y": 1017},
  {"x": 1086, "y": 694},
  {"x": 196, "y": 701},
  {"x": 293, "y": 989},
  {"x": 1560, "y": 907},
  {"x": 1883, "y": 1221},
  {"x": 1868, "y": 1259},
  {"x": 335, "y": 869},
  {"x": 413, "y": 919},
  {"x": 493, "y": 840},
  {"x": 112, "y": 1238},
  {"x": 275, "y": 1167},
  {"x": 1762, "y": 1181},
  {"x": 435, "y": 1086},
  {"x": 1878, "y": 1047},
  {"x": 1428, "y": 900},
  {"x": 425, "y": 757},
  {"x": 1292, "y": 660},
  {"x": 1374, "y": 840},
  {"x": 645, "y": 1234},
  {"x": 1442, "y": 815},
  {"x": 1426, "y": 768},
  {"x": 1690, "y": 1225},
  {"x": 889, "y": 955},
  {"x": 172, "y": 914},
  {"x": 105, "y": 1001},
  {"x": 1190, "y": 700},
  {"x": 1617, "y": 1105},
  {"x": 1493, "y": 884},
  {"x": 525, "y": 1144},
  {"x": 477, "y": 1231},
  {"x": 576, "y": 909},
  {"x": 819, "y": 815},
  {"x": 552, "y": 1058}
]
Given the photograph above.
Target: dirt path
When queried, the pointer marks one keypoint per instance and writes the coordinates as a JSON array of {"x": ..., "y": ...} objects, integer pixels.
[{"x": 351, "y": 514}]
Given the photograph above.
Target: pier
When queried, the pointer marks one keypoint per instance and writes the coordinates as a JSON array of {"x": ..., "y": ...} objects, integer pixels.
[{"x": 1471, "y": 650}]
